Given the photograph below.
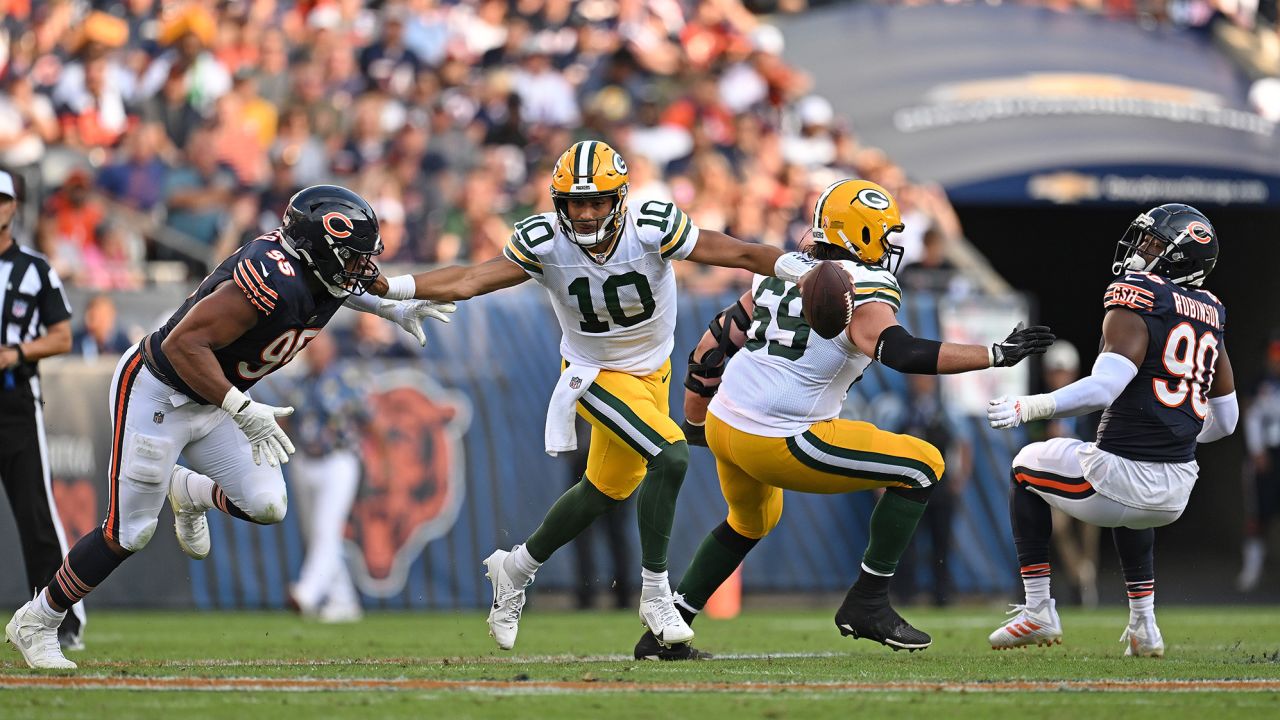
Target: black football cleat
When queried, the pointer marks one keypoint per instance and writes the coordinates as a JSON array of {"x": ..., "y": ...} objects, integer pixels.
[
  {"x": 880, "y": 622},
  {"x": 650, "y": 649}
]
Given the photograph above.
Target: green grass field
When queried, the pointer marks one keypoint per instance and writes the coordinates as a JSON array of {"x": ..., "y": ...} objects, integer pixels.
[{"x": 572, "y": 665}]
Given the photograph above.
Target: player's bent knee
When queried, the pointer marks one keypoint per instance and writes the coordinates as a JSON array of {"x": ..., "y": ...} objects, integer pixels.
[
  {"x": 136, "y": 536},
  {"x": 932, "y": 457},
  {"x": 673, "y": 460},
  {"x": 268, "y": 508}
]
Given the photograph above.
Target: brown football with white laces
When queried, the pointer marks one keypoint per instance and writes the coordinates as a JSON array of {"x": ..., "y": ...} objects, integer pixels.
[{"x": 827, "y": 293}]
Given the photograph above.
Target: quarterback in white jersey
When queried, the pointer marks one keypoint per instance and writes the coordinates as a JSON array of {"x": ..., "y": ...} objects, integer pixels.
[
  {"x": 772, "y": 421},
  {"x": 608, "y": 272}
]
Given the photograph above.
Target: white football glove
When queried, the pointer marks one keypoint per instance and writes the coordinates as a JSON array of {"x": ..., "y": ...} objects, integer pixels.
[
  {"x": 258, "y": 423},
  {"x": 409, "y": 314},
  {"x": 1006, "y": 413}
]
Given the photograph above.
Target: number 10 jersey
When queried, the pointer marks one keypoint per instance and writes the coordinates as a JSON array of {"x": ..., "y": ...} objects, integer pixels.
[
  {"x": 786, "y": 377},
  {"x": 619, "y": 314}
]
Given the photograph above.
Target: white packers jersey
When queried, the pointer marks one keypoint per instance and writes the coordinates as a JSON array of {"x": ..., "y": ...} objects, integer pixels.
[
  {"x": 787, "y": 378},
  {"x": 619, "y": 315}
]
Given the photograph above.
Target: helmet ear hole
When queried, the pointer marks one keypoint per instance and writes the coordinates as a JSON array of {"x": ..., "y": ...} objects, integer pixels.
[{"x": 866, "y": 236}]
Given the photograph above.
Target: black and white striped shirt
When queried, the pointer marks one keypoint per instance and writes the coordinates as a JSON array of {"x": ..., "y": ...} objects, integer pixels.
[{"x": 31, "y": 299}]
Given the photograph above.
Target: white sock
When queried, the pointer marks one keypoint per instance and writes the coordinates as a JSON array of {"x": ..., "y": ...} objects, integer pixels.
[
  {"x": 1142, "y": 607},
  {"x": 43, "y": 606},
  {"x": 200, "y": 488},
  {"x": 1037, "y": 589},
  {"x": 520, "y": 565},
  {"x": 653, "y": 584}
]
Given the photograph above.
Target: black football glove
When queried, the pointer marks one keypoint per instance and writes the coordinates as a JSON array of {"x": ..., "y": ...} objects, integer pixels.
[
  {"x": 1021, "y": 342},
  {"x": 694, "y": 434}
]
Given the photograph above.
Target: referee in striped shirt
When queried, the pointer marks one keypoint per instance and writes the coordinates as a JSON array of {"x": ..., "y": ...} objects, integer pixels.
[{"x": 35, "y": 323}]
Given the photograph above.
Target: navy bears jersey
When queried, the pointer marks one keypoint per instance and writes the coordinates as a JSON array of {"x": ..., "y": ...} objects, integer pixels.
[
  {"x": 290, "y": 313},
  {"x": 1160, "y": 413}
]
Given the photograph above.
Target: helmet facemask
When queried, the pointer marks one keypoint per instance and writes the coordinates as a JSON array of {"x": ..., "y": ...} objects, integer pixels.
[
  {"x": 1147, "y": 246},
  {"x": 600, "y": 230}
]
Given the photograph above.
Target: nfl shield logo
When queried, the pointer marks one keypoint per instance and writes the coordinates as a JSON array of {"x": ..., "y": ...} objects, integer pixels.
[
  {"x": 158, "y": 417},
  {"x": 19, "y": 308},
  {"x": 575, "y": 383}
]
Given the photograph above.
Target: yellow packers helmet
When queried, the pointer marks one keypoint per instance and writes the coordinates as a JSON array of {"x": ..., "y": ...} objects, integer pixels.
[
  {"x": 859, "y": 215},
  {"x": 590, "y": 169}
]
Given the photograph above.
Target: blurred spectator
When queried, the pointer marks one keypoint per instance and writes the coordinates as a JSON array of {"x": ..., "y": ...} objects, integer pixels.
[
  {"x": 138, "y": 177},
  {"x": 933, "y": 272},
  {"x": 69, "y": 224},
  {"x": 370, "y": 337},
  {"x": 28, "y": 123},
  {"x": 172, "y": 109},
  {"x": 325, "y": 475},
  {"x": 115, "y": 262},
  {"x": 187, "y": 35},
  {"x": 100, "y": 336},
  {"x": 1262, "y": 469},
  {"x": 388, "y": 63},
  {"x": 90, "y": 102},
  {"x": 198, "y": 193},
  {"x": 546, "y": 97}
]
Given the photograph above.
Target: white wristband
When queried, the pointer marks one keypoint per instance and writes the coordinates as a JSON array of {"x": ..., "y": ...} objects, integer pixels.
[
  {"x": 401, "y": 287},
  {"x": 234, "y": 401},
  {"x": 792, "y": 266}
]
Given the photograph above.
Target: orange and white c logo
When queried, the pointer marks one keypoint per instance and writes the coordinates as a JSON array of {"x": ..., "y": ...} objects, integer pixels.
[
  {"x": 329, "y": 228},
  {"x": 1199, "y": 232}
]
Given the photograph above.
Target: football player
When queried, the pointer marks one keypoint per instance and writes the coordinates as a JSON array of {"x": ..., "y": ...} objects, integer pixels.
[
  {"x": 182, "y": 390},
  {"x": 607, "y": 268},
  {"x": 1166, "y": 383},
  {"x": 791, "y": 438}
]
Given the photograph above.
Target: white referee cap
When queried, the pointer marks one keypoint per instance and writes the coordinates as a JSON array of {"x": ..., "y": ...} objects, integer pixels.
[{"x": 6, "y": 185}]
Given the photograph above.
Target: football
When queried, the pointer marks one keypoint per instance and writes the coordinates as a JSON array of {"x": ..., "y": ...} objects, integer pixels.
[{"x": 827, "y": 293}]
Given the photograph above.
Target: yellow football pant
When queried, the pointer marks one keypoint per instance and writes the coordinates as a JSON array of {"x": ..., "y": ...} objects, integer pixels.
[
  {"x": 630, "y": 424},
  {"x": 836, "y": 456}
]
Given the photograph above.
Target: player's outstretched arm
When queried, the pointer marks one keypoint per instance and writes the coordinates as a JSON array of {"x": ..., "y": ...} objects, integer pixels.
[
  {"x": 455, "y": 282},
  {"x": 1124, "y": 345},
  {"x": 716, "y": 248},
  {"x": 725, "y": 335},
  {"x": 1224, "y": 410},
  {"x": 876, "y": 332},
  {"x": 408, "y": 314},
  {"x": 215, "y": 322}
]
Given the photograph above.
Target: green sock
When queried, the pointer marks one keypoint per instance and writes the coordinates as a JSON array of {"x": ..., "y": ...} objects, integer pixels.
[
  {"x": 720, "y": 553},
  {"x": 577, "y": 508},
  {"x": 656, "y": 504},
  {"x": 893, "y": 522}
]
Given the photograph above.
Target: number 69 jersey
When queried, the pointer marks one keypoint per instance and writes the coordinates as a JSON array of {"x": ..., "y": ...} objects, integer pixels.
[
  {"x": 1161, "y": 411},
  {"x": 289, "y": 315},
  {"x": 787, "y": 378},
  {"x": 620, "y": 314}
]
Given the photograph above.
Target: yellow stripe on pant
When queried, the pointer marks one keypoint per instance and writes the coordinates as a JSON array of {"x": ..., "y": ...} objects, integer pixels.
[
  {"x": 835, "y": 456},
  {"x": 630, "y": 423}
]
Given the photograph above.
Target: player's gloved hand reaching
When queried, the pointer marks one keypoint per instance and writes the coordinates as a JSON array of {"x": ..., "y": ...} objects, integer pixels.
[
  {"x": 258, "y": 423},
  {"x": 409, "y": 314},
  {"x": 1006, "y": 413},
  {"x": 1022, "y": 342}
]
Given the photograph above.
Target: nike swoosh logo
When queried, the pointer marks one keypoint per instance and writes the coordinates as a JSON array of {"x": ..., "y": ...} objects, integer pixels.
[
  {"x": 264, "y": 270},
  {"x": 664, "y": 377}
]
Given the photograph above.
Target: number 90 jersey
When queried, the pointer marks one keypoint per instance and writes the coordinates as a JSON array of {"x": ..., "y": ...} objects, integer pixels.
[
  {"x": 289, "y": 314},
  {"x": 1161, "y": 411},
  {"x": 620, "y": 314},
  {"x": 787, "y": 378}
]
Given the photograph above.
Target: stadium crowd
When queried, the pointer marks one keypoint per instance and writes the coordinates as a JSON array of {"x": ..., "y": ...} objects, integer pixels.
[{"x": 153, "y": 137}]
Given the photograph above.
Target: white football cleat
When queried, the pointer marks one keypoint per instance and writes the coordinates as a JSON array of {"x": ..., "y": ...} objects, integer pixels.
[
  {"x": 36, "y": 637},
  {"x": 1034, "y": 625},
  {"x": 508, "y": 601},
  {"x": 659, "y": 614},
  {"x": 1143, "y": 638},
  {"x": 189, "y": 522}
]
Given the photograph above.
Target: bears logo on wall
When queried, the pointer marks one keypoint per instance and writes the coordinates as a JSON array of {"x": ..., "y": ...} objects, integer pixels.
[{"x": 414, "y": 481}]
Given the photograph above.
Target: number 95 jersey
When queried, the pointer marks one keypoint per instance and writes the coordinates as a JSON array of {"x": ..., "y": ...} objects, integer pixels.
[
  {"x": 619, "y": 314},
  {"x": 289, "y": 314},
  {"x": 787, "y": 378},
  {"x": 1160, "y": 412}
]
